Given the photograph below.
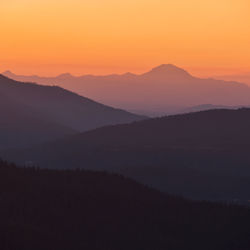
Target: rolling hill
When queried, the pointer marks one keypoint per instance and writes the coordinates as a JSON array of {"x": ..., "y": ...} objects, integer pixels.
[
  {"x": 203, "y": 155},
  {"x": 45, "y": 209}
]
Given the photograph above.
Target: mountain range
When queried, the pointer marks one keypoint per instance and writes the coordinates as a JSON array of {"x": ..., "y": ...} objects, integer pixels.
[
  {"x": 202, "y": 155},
  {"x": 32, "y": 113},
  {"x": 165, "y": 89}
]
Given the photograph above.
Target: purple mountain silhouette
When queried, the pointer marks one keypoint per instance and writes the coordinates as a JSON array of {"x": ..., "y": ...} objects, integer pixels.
[{"x": 164, "y": 89}]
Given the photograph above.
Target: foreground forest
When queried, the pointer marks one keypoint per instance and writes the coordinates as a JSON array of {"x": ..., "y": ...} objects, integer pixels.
[{"x": 51, "y": 209}]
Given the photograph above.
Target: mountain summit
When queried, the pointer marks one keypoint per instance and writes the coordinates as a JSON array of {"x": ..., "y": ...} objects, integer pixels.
[
  {"x": 8, "y": 73},
  {"x": 168, "y": 70},
  {"x": 65, "y": 76}
]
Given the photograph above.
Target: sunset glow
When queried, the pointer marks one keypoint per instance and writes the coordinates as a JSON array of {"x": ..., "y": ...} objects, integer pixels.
[{"x": 48, "y": 37}]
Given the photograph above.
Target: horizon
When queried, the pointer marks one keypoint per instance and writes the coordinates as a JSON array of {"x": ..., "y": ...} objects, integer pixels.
[
  {"x": 106, "y": 37},
  {"x": 195, "y": 72}
]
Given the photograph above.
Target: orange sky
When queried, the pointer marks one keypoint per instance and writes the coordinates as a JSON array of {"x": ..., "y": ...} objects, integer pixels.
[{"x": 48, "y": 37}]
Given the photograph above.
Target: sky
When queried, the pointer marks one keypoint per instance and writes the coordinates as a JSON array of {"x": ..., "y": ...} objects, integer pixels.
[{"x": 48, "y": 37}]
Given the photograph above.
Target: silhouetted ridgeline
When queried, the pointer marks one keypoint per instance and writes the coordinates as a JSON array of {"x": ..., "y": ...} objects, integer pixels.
[
  {"x": 202, "y": 155},
  {"x": 48, "y": 209},
  {"x": 165, "y": 89}
]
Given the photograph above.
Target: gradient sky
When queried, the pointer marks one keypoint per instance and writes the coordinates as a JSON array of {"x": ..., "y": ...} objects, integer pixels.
[{"x": 48, "y": 37}]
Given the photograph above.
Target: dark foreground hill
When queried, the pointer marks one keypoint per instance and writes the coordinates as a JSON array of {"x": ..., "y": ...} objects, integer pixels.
[
  {"x": 202, "y": 155},
  {"x": 49, "y": 112},
  {"x": 45, "y": 209}
]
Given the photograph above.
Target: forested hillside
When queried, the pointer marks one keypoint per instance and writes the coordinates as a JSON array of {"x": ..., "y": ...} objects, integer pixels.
[{"x": 48, "y": 209}]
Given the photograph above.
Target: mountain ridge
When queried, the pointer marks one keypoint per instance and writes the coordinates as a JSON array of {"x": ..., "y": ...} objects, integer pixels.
[{"x": 165, "y": 89}]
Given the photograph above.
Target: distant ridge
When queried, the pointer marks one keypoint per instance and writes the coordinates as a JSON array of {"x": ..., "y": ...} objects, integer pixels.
[
  {"x": 237, "y": 77},
  {"x": 165, "y": 89}
]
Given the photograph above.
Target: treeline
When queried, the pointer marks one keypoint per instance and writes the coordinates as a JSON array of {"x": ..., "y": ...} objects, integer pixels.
[{"x": 50, "y": 209}]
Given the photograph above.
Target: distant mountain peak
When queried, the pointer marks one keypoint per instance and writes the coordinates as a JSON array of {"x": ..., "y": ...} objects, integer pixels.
[
  {"x": 168, "y": 70},
  {"x": 7, "y": 73},
  {"x": 65, "y": 75},
  {"x": 3, "y": 77},
  {"x": 129, "y": 74}
]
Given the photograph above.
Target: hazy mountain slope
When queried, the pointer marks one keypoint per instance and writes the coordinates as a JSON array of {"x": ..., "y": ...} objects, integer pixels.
[
  {"x": 165, "y": 89},
  {"x": 240, "y": 78},
  {"x": 21, "y": 126},
  {"x": 205, "y": 107},
  {"x": 186, "y": 110},
  {"x": 64, "y": 107},
  {"x": 44, "y": 209},
  {"x": 202, "y": 155}
]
